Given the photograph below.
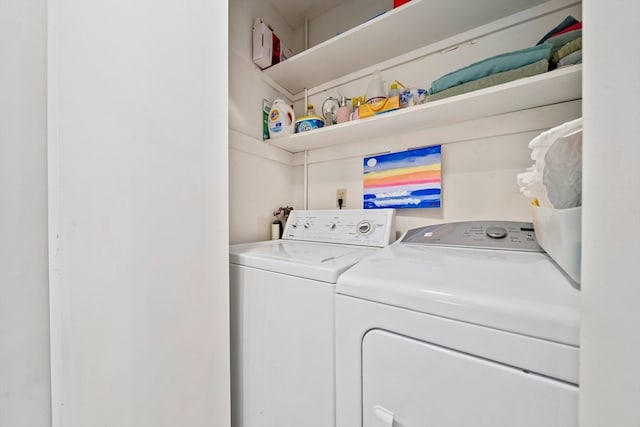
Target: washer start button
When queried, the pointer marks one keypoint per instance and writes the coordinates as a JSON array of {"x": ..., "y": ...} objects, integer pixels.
[{"x": 496, "y": 232}]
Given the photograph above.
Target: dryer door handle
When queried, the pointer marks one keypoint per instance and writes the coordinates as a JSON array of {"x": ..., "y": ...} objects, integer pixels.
[{"x": 384, "y": 415}]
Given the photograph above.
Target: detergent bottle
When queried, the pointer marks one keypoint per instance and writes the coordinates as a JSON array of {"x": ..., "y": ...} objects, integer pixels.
[
  {"x": 282, "y": 120},
  {"x": 309, "y": 121}
]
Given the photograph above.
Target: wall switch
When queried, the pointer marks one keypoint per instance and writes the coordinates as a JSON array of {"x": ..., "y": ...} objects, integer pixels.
[{"x": 341, "y": 193}]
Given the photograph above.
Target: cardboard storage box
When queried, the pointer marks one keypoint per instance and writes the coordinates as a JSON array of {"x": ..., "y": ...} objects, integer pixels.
[{"x": 267, "y": 48}]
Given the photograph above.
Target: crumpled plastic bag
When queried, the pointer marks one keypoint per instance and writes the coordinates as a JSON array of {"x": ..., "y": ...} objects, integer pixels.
[{"x": 555, "y": 179}]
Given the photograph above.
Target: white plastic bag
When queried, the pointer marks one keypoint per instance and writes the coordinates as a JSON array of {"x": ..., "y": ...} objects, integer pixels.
[
  {"x": 555, "y": 179},
  {"x": 554, "y": 185}
]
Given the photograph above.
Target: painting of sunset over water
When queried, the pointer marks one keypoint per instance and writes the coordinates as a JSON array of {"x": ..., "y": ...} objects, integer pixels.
[{"x": 407, "y": 179}]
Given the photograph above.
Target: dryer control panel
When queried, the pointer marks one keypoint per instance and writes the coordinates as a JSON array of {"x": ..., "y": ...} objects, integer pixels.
[
  {"x": 507, "y": 235},
  {"x": 364, "y": 227}
]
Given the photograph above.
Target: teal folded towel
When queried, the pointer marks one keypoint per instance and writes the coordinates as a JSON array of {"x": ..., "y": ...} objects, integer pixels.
[{"x": 496, "y": 64}]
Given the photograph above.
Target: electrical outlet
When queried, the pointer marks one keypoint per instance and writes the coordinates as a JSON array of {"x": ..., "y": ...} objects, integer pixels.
[{"x": 341, "y": 193}]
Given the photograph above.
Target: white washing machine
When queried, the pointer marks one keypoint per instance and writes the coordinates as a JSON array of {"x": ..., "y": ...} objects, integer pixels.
[
  {"x": 458, "y": 325},
  {"x": 282, "y": 296}
]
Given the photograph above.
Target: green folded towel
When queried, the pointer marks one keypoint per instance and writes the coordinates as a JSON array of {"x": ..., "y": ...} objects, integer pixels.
[
  {"x": 572, "y": 58},
  {"x": 567, "y": 49},
  {"x": 495, "y": 79},
  {"x": 496, "y": 64}
]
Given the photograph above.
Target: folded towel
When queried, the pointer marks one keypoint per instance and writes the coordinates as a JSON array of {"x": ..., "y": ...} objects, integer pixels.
[
  {"x": 567, "y": 49},
  {"x": 572, "y": 58},
  {"x": 567, "y": 22},
  {"x": 558, "y": 41},
  {"x": 493, "y": 80},
  {"x": 574, "y": 27},
  {"x": 497, "y": 64}
]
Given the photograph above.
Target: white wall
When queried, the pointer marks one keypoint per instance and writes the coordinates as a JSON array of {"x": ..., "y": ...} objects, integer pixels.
[
  {"x": 259, "y": 175},
  {"x": 610, "y": 373},
  {"x": 138, "y": 213},
  {"x": 344, "y": 17},
  {"x": 24, "y": 302},
  {"x": 259, "y": 184},
  {"x": 480, "y": 161}
]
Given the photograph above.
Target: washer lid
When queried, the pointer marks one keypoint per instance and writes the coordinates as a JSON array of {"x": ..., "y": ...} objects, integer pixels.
[
  {"x": 521, "y": 292},
  {"x": 317, "y": 261}
]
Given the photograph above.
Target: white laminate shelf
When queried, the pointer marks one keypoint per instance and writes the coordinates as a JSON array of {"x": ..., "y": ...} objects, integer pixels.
[
  {"x": 413, "y": 25},
  {"x": 553, "y": 87}
]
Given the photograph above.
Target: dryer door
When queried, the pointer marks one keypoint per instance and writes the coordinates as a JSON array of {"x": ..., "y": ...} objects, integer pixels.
[{"x": 411, "y": 383}]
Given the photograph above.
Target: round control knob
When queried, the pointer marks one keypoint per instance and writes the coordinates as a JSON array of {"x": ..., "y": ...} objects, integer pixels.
[
  {"x": 496, "y": 232},
  {"x": 365, "y": 227},
  {"x": 307, "y": 225}
]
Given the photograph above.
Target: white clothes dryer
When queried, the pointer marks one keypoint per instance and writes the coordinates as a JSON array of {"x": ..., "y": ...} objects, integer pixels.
[
  {"x": 282, "y": 295},
  {"x": 458, "y": 325}
]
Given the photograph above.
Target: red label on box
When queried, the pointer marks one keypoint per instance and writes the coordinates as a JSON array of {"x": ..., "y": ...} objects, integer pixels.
[{"x": 275, "y": 54}]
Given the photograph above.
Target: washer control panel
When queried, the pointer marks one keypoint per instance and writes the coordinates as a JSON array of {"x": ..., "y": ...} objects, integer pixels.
[
  {"x": 363, "y": 227},
  {"x": 507, "y": 235}
]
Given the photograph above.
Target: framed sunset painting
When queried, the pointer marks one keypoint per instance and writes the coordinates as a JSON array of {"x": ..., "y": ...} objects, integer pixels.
[{"x": 407, "y": 179}]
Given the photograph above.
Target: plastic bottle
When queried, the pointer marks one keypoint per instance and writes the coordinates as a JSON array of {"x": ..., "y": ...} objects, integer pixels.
[
  {"x": 394, "y": 91},
  {"x": 281, "y": 119},
  {"x": 309, "y": 121},
  {"x": 357, "y": 102},
  {"x": 375, "y": 90},
  {"x": 344, "y": 112}
]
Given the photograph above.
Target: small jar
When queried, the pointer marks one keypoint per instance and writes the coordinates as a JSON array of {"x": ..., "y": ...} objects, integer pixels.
[{"x": 357, "y": 102}]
